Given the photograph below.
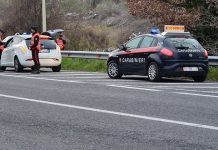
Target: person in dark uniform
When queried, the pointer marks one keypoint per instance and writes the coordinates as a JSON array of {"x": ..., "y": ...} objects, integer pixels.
[
  {"x": 1, "y": 46},
  {"x": 35, "y": 48}
]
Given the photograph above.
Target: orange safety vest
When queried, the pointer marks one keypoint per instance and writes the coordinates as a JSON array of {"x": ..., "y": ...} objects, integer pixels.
[
  {"x": 38, "y": 47},
  {"x": 60, "y": 43},
  {"x": 2, "y": 48}
]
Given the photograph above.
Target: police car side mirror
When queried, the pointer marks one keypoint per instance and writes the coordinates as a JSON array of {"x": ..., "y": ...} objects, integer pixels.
[{"x": 122, "y": 47}]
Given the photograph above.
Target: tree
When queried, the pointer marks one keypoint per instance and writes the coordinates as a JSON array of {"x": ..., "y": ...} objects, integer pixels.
[{"x": 199, "y": 16}]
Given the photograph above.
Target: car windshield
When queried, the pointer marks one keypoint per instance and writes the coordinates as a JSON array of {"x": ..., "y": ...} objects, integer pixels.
[
  {"x": 183, "y": 43},
  {"x": 46, "y": 43}
]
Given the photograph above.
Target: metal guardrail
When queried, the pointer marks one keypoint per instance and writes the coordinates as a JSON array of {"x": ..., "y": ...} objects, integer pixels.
[
  {"x": 85, "y": 54},
  {"x": 213, "y": 60}
]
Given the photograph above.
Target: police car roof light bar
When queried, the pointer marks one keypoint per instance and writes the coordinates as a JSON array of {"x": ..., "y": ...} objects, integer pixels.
[{"x": 187, "y": 34}]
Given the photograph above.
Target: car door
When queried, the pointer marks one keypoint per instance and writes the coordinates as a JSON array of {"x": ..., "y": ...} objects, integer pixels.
[
  {"x": 6, "y": 52},
  {"x": 147, "y": 46},
  {"x": 126, "y": 59},
  {"x": 14, "y": 47}
]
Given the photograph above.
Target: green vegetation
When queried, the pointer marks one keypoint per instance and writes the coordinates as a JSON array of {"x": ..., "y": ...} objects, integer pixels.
[
  {"x": 80, "y": 64},
  {"x": 213, "y": 74}
]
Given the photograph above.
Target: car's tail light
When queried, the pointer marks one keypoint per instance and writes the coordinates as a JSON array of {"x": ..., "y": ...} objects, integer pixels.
[
  {"x": 166, "y": 52},
  {"x": 206, "y": 53}
]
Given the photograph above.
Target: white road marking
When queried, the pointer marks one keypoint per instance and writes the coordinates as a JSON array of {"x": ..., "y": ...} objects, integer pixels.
[
  {"x": 181, "y": 83},
  {"x": 113, "y": 113},
  {"x": 107, "y": 80},
  {"x": 190, "y": 87},
  {"x": 82, "y": 77},
  {"x": 193, "y": 94},
  {"x": 69, "y": 75},
  {"x": 46, "y": 79},
  {"x": 135, "y": 88},
  {"x": 79, "y": 72},
  {"x": 210, "y": 92}
]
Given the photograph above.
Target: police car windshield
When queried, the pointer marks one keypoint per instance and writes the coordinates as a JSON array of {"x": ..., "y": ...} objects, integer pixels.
[
  {"x": 182, "y": 43},
  {"x": 47, "y": 43}
]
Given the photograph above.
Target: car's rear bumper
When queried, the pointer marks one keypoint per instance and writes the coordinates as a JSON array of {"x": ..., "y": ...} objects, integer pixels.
[
  {"x": 50, "y": 62},
  {"x": 176, "y": 69}
]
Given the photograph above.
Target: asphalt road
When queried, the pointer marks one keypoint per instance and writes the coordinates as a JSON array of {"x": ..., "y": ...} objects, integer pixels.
[{"x": 89, "y": 111}]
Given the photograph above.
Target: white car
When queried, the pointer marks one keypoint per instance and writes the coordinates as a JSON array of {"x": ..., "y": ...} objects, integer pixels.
[{"x": 18, "y": 55}]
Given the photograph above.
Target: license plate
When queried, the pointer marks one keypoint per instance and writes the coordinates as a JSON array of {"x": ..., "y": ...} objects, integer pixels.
[
  {"x": 190, "y": 68},
  {"x": 45, "y": 51}
]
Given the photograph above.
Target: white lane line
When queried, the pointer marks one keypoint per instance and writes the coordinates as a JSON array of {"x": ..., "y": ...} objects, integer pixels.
[
  {"x": 135, "y": 88},
  {"x": 107, "y": 80},
  {"x": 113, "y": 113},
  {"x": 46, "y": 79},
  {"x": 193, "y": 94},
  {"x": 189, "y": 87},
  {"x": 82, "y": 77},
  {"x": 210, "y": 92},
  {"x": 66, "y": 75},
  {"x": 168, "y": 88},
  {"x": 181, "y": 83},
  {"x": 68, "y": 72}
]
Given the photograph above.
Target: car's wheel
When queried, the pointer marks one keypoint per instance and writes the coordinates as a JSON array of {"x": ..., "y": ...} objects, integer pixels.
[
  {"x": 32, "y": 68},
  {"x": 153, "y": 72},
  {"x": 17, "y": 66},
  {"x": 3, "y": 68},
  {"x": 113, "y": 70},
  {"x": 199, "y": 78},
  {"x": 56, "y": 68}
]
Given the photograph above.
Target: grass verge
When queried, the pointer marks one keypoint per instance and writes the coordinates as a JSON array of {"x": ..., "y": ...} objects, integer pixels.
[
  {"x": 213, "y": 74},
  {"x": 80, "y": 64},
  {"x": 91, "y": 65}
]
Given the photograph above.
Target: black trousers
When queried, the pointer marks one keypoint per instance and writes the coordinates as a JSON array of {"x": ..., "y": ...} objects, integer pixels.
[
  {"x": 0, "y": 55},
  {"x": 35, "y": 55}
]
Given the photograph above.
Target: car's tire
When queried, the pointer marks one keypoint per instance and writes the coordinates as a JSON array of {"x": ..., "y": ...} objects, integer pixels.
[
  {"x": 199, "y": 78},
  {"x": 32, "y": 68},
  {"x": 153, "y": 72},
  {"x": 17, "y": 66},
  {"x": 56, "y": 68},
  {"x": 3, "y": 68},
  {"x": 113, "y": 70}
]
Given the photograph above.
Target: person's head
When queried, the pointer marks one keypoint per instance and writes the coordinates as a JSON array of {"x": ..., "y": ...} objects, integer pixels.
[
  {"x": 33, "y": 29},
  {"x": 60, "y": 35}
]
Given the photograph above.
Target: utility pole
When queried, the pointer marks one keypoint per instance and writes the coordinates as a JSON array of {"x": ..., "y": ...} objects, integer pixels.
[{"x": 44, "y": 24}]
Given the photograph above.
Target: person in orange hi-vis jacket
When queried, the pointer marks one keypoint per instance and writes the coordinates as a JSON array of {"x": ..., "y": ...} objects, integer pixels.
[
  {"x": 35, "y": 48},
  {"x": 61, "y": 42}
]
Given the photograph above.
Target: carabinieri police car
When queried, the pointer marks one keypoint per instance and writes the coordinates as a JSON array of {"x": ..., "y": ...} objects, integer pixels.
[{"x": 174, "y": 53}]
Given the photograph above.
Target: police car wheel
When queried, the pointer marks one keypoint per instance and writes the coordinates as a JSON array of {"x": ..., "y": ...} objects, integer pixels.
[
  {"x": 153, "y": 72},
  {"x": 113, "y": 71},
  {"x": 199, "y": 78},
  {"x": 17, "y": 65}
]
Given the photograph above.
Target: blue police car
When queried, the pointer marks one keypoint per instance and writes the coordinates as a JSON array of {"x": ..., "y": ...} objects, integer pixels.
[{"x": 174, "y": 53}]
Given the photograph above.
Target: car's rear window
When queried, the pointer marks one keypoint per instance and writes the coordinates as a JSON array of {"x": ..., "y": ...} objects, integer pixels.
[
  {"x": 45, "y": 43},
  {"x": 182, "y": 43}
]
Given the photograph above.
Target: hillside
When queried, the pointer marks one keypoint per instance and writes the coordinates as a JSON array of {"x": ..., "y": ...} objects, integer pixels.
[{"x": 101, "y": 24}]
